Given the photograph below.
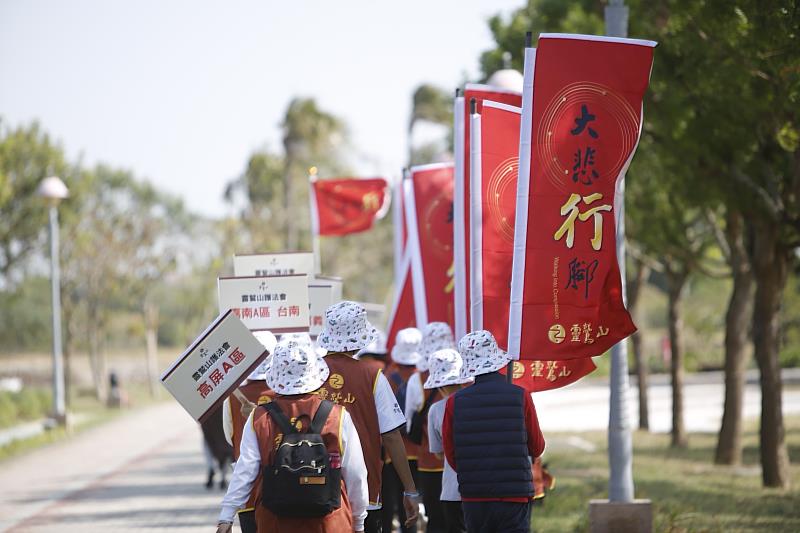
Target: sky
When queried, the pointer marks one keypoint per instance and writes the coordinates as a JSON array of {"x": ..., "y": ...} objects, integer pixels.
[{"x": 181, "y": 92}]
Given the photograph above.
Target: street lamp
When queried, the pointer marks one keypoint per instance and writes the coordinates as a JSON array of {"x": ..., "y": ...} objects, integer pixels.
[{"x": 53, "y": 190}]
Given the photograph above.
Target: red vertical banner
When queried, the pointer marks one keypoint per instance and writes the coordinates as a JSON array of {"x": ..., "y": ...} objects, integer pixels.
[
  {"x": 494, "y": 186},
  {"x": 580, "y": 129},
  {"x": 402, "y": 314},
  {"x": 428, "y": 196},
  {"x": 494, "y": 183},
  {"x": 461, "y": 209}
]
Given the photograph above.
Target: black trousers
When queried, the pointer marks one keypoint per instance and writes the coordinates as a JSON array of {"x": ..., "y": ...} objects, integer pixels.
[
  {"x": 454, "y": 517},
  {"x": 497, "y": 517},
  {"x": 247, "y": 521},
  {"x": 392, "y": 497},
  {"x": 430, "y": 484},
  {"x": 373, "y": 523}
]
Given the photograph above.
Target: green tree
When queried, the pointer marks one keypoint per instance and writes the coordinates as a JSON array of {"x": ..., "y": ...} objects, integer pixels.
[
  {"x": 538, "y": 16},
  {"x": 736, "y": 68},
  {"x": 429, "y": 104},
  {"x": 27, "y": 156},
  {"x": 724, "y": 99},
  {"x": 120, "y": 239},
  {"x": 311, "y": 137}
]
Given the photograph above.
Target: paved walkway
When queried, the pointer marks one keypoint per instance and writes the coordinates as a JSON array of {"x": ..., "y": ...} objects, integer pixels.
[{"x": 142, "y": 472}]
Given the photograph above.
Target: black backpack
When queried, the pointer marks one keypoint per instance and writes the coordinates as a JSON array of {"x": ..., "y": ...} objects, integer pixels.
[
  {"x": 301, "y": 482},
  {"x": 420, "y": 418}
]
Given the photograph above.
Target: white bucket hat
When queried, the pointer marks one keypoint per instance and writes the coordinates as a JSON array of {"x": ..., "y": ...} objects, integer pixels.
[
  {"x": 296, "y": 369},
  {"x": 481, "y": 354},
  {"x": 445, "y": 369},
  {"x": 377, "y": 346},
  {"x": 268, "y": 341},
  {"x": 346, "y": 328},
  {"x": 406, "y": 346},
  {"x": 435, "y": 336},
  {"x": 300, "y": 338}
]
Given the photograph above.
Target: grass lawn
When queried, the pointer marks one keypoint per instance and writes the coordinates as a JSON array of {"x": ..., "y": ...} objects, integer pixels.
[{"x": 689, "y": 493}]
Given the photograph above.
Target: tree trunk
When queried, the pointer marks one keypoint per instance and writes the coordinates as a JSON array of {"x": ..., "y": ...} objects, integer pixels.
[
  {"x": 729, "y": 444},
  {"x": 770, "y": 264},
  {"x": 676, "y": 281},
  {"x": 634, "y": 291},
  {"x": 290, "y": 148},
  {"x": 151, "y": 342},
  {"x": 96, "y": 359}
]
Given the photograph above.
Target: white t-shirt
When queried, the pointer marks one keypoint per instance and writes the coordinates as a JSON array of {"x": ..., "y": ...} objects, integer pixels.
[
  {"x": 415, "y": 397},
  {"x": 449, "y": 480},
  {"x": 390, "y": 416}
]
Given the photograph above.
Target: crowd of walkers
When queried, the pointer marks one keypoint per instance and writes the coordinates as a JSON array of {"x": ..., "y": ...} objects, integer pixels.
[{"x": 339, "y": 436}]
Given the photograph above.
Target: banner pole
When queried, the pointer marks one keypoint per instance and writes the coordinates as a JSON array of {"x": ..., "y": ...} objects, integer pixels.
[
  {"x": 312, "y": 198},
  {"x": 475, "y": 218},
  {"x": 461, "y": 274},
  {"x": 620, "y": 443}
]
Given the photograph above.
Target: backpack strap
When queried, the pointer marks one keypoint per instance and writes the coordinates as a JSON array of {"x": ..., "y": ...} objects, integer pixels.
[
  {"x": 321, "y": 416},
  {"x": 396, "y": 378},
  {"x": 429, "y": 401},
  {"x": 279, "y": 417}
]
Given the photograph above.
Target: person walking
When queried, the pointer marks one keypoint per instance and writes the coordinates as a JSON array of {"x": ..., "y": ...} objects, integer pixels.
[
  {"x": 405, "y": 356},
  {"x": 278, "y": 439},
  {"x": 491, "y": 434},
  {"x": 365, "y": 392},
  {"x": 445, "y": 376},
  {"x": 435, "y": 336}
]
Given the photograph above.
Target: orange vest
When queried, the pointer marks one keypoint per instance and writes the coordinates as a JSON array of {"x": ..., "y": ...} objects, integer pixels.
[
  {"x": 302, "y": 408},
  {"x": 427, "y": 461},
  {"x": 405, "y": 372},
  {"x": 351, "y": 384}
]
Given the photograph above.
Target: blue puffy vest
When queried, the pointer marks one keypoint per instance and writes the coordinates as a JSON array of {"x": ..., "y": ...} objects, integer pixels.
[{"x": 491, "y": 443}]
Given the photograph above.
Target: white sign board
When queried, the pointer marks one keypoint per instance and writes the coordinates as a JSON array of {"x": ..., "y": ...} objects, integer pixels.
[
  {"x": 322, "y": 293},
  {"x": 275, "y": 303},
  {"x": 277, "y": 264},
  {"x": 215, "y": 364}
]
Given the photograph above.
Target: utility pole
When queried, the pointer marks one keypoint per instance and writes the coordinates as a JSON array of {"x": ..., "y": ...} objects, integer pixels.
[{"x": 620, "y": 446}]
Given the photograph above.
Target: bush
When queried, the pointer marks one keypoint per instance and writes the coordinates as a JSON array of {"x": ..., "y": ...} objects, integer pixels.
[
  {"x": 8, "y": 409},
  {"x": 32, "y": 403}
]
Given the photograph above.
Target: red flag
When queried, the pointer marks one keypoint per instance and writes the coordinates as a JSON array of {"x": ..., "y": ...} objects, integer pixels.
[
  {"x": 461, "y": 207},
  {"x": 402, "y": 315},
  {"x": 494, "y": 185},
  {"x": 347, "y": 205},
  {"x": 429, "y": 214},
  {"x": 580, "y": 129}
]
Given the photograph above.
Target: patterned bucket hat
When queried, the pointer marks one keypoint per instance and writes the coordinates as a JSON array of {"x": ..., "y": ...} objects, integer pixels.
[
  {"x": 406, "y": 347},
  {"x": 377, "y": 346},
  {"x": 346, "y": 328},
  {"x": 435, "y": 336},
  {"x": 268, "y": 341},
  {"x": 300, "y": 338},
  {"x": 481, "y": 354},
  {"x": 296, "y": 369},
  {"x": 445, "y": 369}
]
